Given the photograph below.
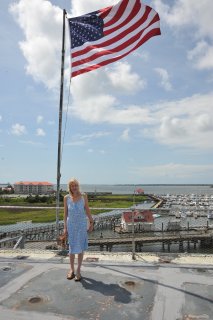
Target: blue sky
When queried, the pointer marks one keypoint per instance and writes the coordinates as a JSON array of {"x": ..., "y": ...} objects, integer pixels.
[{"x": 146, "y": 119}]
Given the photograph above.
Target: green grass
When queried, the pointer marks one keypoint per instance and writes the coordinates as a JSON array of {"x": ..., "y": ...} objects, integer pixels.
[
  {"x": 106, "y": 204},
  {"x": 11, "y": 216}
]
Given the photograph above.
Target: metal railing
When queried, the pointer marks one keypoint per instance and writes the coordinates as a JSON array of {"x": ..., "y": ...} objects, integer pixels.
[{"x": 167, "y": 233}]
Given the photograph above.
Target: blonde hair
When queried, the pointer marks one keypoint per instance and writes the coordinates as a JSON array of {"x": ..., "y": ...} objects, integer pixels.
[{"x": 73, "y": 181}]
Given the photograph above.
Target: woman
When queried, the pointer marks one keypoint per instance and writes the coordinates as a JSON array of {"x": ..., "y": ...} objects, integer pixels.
[{"x": 76, "y": 211}]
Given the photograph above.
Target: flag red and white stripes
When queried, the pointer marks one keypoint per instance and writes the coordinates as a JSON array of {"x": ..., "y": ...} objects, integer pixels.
[{"x": 109, "y": 34}]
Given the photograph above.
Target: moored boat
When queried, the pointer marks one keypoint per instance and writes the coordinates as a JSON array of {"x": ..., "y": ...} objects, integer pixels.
[{"x": 210, "y": 214}]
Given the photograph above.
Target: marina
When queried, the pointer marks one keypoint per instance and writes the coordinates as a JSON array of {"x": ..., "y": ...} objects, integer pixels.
[{"x": 180, "y": 222}]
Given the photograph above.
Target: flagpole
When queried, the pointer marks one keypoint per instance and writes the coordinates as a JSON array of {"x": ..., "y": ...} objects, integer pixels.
[{"x": 60, "y": 125}]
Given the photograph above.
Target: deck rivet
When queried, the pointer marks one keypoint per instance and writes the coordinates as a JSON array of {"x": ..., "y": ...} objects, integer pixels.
[
  {"x": 129, "y": 283},
  {"x": 36, "y": 299},
  {"x": 7, "y": 268}
]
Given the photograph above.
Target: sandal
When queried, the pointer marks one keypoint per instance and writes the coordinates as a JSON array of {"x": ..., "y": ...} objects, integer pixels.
[
  {"x": 78, "y": 277},
  {"x": 70, "y": 275}
]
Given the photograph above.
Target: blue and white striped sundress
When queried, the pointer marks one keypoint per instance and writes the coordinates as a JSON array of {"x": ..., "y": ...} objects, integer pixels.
[{"x": 76, "y": 225}]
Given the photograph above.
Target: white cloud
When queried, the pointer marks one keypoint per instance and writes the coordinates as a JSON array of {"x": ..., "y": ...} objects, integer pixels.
[
  {"x": 94, "y": 109},
  {"x": 82, "y": 139},
  {"x": 143, "y": 55},
  {"x": 125, "y": 135},
  {"x": 196, "y": 15},
  {"x": 39, "y": 119},
  {"x": 103, "y": 152},
  {"x": 0, "y": 118},
  {"x": 18, "y": 129},
  {"x": 40, "y": 132},
  {"x": 185, "y": 123},
  {"x": 123, "y": 79},
  {"x": 41, "y": 23},
  {"x": 202, "y": 55},
  {"x": 199, "y": 50},
  {"x": 165, "y": 79},
  {"x": 95, "y": 106},
  {"x": 174, "y": 171},
  {"x": 187, "y": 13},
  {"x": 82, "y": 7},
  {"x": 174, "y": 123}
]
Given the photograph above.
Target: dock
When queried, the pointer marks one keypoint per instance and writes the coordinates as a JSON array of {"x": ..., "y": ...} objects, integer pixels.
[
  {"x": 205, "y": 238},
  {"x": 185, "y": 237}
]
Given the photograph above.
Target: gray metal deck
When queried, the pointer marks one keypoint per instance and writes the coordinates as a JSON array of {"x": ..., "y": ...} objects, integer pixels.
[{"x": 37, "y": 289}]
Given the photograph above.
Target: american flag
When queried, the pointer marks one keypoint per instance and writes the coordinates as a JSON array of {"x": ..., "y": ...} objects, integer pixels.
[{"x": 107, "y": 35}]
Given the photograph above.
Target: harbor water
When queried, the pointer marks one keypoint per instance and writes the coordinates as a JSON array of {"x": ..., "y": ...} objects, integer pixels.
[{"x": 162, "y": 189}]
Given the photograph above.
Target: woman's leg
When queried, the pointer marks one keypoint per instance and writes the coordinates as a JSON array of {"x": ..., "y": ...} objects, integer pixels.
[
  {"x": 72, "y": 259},
  {"x": 80, "y": 259}
]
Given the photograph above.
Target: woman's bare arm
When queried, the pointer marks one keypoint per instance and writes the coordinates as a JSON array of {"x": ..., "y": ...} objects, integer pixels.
[
  {"x": 87, "y": 209},
  {"x": 65, "y": 214}
]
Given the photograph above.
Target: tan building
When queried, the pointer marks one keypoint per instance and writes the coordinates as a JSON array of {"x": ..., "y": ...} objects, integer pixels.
[{"x": 33, "y": 187}]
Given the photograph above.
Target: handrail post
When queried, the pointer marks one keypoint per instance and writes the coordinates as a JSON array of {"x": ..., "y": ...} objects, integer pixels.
[{"x": 133, "y": 228}]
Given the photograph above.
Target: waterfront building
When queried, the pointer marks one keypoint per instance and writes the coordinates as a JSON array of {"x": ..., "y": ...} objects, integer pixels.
[
  {"x": 142, "y": 220},
  {"x": 139, "y": 191},
  {"x": 6, "y": 188},
  {"x": 33, "y": 187}
]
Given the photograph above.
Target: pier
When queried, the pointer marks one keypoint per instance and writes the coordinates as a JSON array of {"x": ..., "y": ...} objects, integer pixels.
[{"x": 205, "y": 238}]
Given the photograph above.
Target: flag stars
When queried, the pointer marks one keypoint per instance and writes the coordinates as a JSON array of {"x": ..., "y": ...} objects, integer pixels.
[{"x": 85, "y": 28}]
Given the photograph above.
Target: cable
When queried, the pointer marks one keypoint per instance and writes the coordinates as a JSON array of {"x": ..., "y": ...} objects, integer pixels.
[{"x": 65, "y": 124}]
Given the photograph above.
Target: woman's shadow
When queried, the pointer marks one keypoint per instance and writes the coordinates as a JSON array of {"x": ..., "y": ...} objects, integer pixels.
[{"x": 120, "y": 294}]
